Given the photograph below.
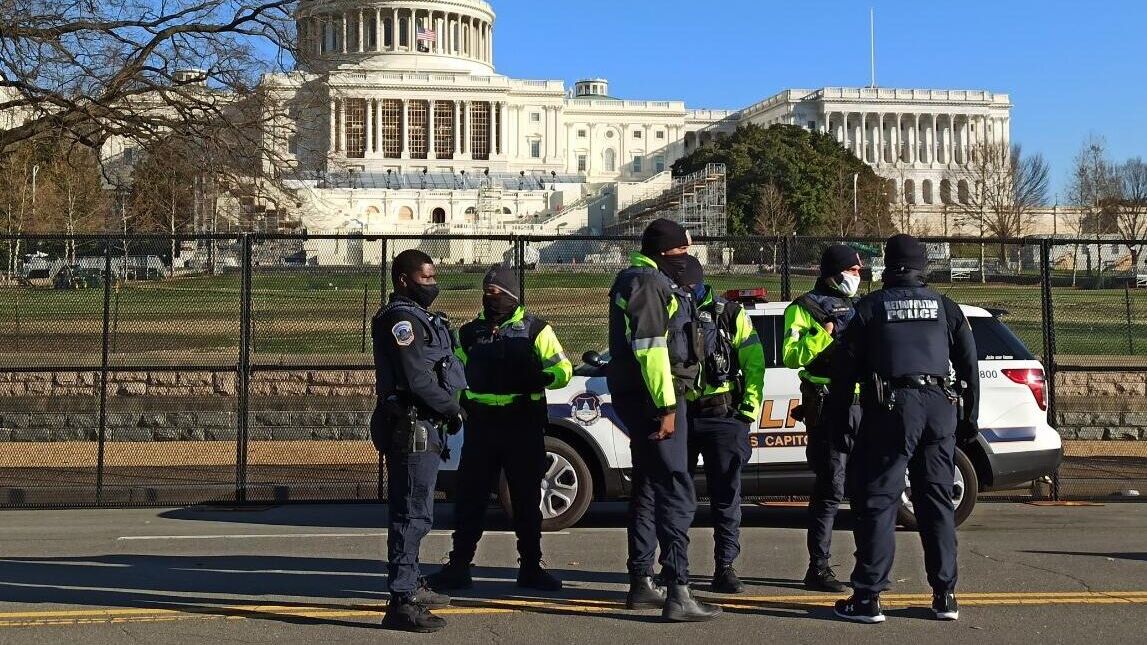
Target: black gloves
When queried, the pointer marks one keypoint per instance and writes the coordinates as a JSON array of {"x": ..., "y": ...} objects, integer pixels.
[
  {"x": 744, "y": 417},
  {"x": 966, "y": 431},
  {"x": 454, "y": 424}
]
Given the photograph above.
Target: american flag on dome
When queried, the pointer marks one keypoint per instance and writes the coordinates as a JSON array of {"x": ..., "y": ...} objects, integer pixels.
[{"x": 427, "y": 35}]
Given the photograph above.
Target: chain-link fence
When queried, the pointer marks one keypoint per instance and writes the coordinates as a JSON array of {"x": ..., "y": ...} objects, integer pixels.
[{"x": 150, "y": 370}]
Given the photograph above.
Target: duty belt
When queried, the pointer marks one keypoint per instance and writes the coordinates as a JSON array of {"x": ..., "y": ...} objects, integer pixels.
[{"x": 920, "y": 381}]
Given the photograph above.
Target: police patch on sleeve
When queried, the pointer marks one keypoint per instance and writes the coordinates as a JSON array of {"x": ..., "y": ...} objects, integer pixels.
[{"x": 403, "y": 333}]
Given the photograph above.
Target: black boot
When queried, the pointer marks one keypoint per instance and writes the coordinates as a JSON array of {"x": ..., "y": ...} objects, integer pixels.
[
  {"x": 452, "y": 575},
  {"x": 644, "y": 593},
  {"x": 725, "y": 580},
  {"x": 429, "y": 598},
  {"x": 823, "y": 579},
  {"x": 407, "y": 616},
  {"x": 532, "y": 575},
  {"x": 681, "y": 607}
]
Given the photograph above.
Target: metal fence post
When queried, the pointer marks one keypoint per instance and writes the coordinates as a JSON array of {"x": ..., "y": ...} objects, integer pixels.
[
  {"x": 382, "y": 264},
  {"x": 244, "y": 368},
  {"x": 520, "y": 258},
  {"x": 786, "y": 269},
  {"x": 1048, "y": 344},
  {"x": 1130, "y": 320},
  {"x": 105, "y": 359}
]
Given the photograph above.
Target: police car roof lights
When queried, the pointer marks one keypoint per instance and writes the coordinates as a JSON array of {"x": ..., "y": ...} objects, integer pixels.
[{"x": 759, "y": 294}]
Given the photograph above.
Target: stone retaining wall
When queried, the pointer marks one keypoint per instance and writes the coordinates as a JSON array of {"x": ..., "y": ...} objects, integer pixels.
[{"x": 334, "y": 405}]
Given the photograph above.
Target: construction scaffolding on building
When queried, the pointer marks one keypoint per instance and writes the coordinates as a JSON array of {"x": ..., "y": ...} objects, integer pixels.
[{"x": 697, "y": 201}]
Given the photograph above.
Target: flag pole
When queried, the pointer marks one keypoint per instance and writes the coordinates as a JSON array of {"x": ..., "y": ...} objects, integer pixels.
[{"x": 872, "y": 42}]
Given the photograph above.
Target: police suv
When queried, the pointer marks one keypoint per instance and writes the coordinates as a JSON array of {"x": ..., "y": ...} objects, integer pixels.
[{"x": 588, "y": 450}]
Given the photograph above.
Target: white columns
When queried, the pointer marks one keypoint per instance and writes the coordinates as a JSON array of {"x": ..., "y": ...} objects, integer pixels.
[
  {"x": 467, "y": 138},
  {"x": 342, "y": 126},
  {"x": 394, "y": 31},
  {"x": 504, "y": 112},
  {"x": 378, "y": 29},
  {"x": 361, "y": 31},
  {"x": 914, "y": 145},
  {"x": 334, "y": 141},
  {"x": 493, "y": 145},
  {"x": 864, "y": 137},
  {"x": 932, "y": 142},
  {"x": 430, "y": 150},
  {"x": 457, "y": 129},
  {"x": 369, "y": 126},
  {"x": 405, "y": 136},
  {"x": 412, "y": 33}
]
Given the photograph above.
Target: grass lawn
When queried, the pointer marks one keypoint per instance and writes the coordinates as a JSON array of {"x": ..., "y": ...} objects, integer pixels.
[{"x": 321, "y": 311}]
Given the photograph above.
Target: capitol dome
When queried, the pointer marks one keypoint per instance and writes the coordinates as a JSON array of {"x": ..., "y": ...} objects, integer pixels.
[{"x": 400, "y": 35}]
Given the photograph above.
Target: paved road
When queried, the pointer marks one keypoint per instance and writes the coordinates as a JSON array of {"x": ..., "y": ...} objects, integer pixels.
[{"x": 305, "y": 574}]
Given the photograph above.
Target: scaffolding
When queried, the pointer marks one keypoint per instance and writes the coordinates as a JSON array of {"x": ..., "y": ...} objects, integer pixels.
[
  {"x": 697, "y": 201},
  {"x": 488, "y": 216}
]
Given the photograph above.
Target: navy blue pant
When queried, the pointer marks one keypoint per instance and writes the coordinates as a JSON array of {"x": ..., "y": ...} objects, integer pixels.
[
  {"x": 410, "y": 481},
  {"x": 723, "y": 445},
  {"x": 510, "y": 439},
  {"x": 828, "y": 465},
  {"x": 663, "y": 502},
  {"x": 917, "y": 434}
]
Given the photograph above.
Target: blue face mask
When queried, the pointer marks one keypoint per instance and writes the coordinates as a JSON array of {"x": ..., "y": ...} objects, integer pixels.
[{"x": 699, "y": 293}]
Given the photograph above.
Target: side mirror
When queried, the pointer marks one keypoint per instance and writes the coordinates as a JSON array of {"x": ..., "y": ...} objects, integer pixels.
[{"x": 593, "y": 358}]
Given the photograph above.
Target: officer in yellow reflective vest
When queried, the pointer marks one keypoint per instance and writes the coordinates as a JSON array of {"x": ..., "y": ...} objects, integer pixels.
[
  {"x": 812, "y": 322},
  {"x": 733, "y": 378},
  {"x": 511, "y": 358}
]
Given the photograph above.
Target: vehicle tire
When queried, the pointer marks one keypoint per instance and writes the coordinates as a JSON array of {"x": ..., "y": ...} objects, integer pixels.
[
  {"x": 567, "y": 487},
  {"x": 967, "y": 488}
]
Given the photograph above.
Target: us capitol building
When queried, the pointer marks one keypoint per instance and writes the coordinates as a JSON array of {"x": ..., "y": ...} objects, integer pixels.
[{"x": 396, "y": 121}]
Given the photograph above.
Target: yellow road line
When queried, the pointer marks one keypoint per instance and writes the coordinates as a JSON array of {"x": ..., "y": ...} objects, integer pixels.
[{"x": 515, "y": 605}]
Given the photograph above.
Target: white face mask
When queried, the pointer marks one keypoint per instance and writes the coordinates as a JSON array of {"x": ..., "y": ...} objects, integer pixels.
[{"x": 849, "y": 284}]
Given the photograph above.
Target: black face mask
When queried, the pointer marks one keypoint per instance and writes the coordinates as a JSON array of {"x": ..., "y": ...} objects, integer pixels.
[
  {"x": 498, "y": 307},
  {"x": 672, "y": 266},
  {"x": 423, "y": 294}
]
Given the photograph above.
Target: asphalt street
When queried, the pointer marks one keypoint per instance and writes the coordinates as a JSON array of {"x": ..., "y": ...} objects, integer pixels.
[{"x": 306, "y": 574}]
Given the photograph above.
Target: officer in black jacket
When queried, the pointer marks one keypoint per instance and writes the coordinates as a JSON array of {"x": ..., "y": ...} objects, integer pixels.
[
  {"x": 655, "y": 362},
  {"x": 902, "y": 346},
  {"x": 418, "y": 382}
]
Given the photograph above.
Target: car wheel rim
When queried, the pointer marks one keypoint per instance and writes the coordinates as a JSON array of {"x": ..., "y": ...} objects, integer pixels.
[
  {"x": 559, "y": 486},
  {"x": 958, "y": 492}
]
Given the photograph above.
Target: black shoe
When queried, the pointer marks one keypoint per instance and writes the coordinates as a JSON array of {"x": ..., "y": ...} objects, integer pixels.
[
  {"x": 945, "y": 607},
  {"x": 452, "y": 575},
  {"x": 823, "y": 579},
  {"x": 533, "y": 575},
  {"x": 429, "y": 598},
  {"x": 725, "y": 580},
  {"x": 860, "y": 609},
  {"x": 407, "y": 616},
  {"x": 682, "y": 607},
  {"x": 644, "y": 593}
]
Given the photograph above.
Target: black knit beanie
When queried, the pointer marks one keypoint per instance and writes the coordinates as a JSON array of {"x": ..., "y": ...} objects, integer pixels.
[
  {"x": 905, "y": 252},
  {"x": 662, "y": 235},
  {"x": 504, "y": 277},
  {"x": 836, "y": 259}
]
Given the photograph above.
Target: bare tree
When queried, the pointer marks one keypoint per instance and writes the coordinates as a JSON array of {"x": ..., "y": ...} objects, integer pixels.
[
  {"x": 772, "y": 215},
  {"x": 1092, "y": 188},
  {"x": 76, "y": 195},
  {"x": 136, "y": 69},
  {"x": 1004, "y": 188},
  {"x": 1131, "y": 210}
]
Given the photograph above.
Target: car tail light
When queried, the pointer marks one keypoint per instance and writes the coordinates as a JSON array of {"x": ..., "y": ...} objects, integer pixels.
[
  {"x": 1034, "y": 379},
  {"x": 759, "y": 294}
]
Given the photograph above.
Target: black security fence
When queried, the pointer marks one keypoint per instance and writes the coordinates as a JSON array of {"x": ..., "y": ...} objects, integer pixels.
[{"x": 151, "y": 370}]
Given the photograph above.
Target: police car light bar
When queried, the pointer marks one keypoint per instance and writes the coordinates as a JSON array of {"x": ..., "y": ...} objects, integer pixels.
[{"x": 760, "y": 294}]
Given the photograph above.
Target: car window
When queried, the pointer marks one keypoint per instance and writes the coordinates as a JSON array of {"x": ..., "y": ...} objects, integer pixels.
[
  {"x": 771, "y": 331},
  {"x": 994, "y": 341}
]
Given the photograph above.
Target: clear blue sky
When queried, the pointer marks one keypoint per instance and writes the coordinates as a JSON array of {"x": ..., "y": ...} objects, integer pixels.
[{"x": 1072, "y": 68}]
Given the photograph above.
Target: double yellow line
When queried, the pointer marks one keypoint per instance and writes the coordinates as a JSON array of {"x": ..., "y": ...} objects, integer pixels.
[{"x": 514, "y": 605}]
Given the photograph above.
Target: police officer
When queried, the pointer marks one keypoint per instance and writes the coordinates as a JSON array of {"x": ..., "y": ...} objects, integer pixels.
[
  {"x": 902, "y": 346},
  {"x": 655, "y": 353},
  {"x": 720, "y": 415},
  {"x": 418, "y": 382},
  {"x": 812, "y": 322},
  {"x": 511, "y": 358}
]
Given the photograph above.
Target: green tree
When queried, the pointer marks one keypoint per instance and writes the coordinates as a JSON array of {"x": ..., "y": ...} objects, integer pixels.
[{"x": 811, "y": 170}]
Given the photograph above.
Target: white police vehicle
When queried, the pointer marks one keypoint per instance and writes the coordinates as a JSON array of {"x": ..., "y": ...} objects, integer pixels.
[{"x": 588, "y": 450}]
